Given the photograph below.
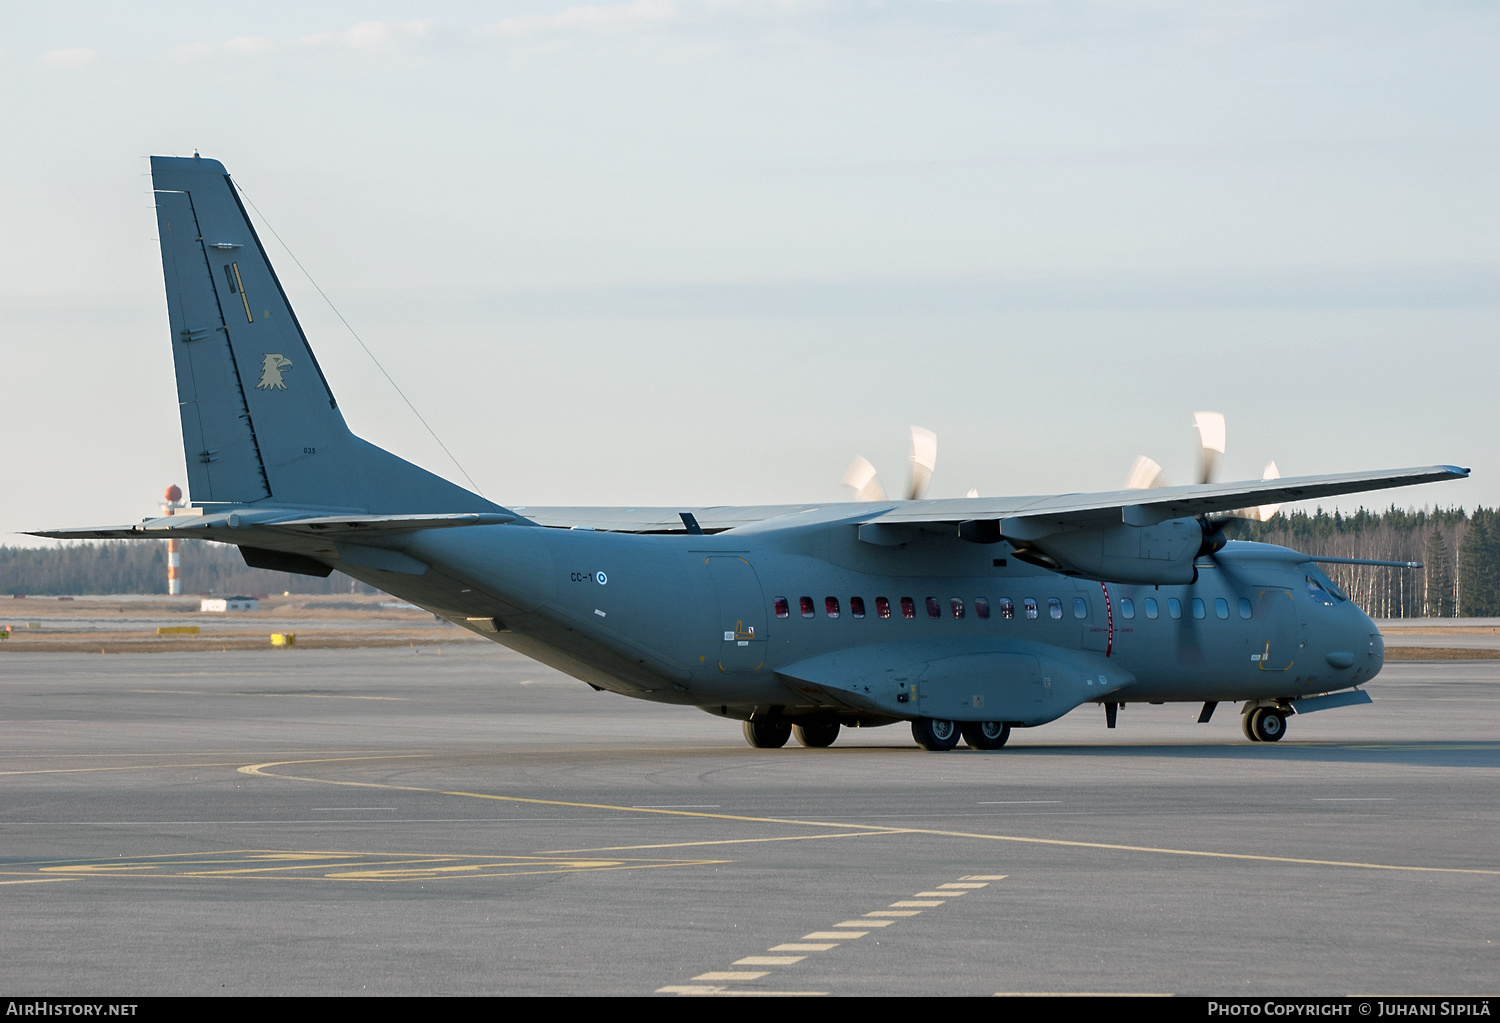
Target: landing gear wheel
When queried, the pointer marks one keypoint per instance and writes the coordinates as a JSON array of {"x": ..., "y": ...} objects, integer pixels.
[
  {"x": 767, "y": 734},
  {"x": 816, "y": 735},
  {"x": 985, "y": 734},
  {"x": 1246, "y": 727},
  {"x": 935, "y": 735},
  {"x": 1268, "y": 724}
]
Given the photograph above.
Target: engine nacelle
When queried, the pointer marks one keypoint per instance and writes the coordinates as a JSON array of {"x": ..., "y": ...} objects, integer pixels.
[{"x": 1153, "y": 553}]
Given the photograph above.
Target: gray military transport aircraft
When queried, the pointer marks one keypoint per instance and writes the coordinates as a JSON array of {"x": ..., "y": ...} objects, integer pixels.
[{"x": 965, "y": 617}]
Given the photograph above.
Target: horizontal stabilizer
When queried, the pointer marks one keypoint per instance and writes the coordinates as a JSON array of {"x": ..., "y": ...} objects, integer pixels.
[{"x": 216, "y": 527}]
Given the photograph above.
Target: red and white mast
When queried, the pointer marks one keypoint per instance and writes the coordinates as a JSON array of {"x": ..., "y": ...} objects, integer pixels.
[{"x": 173, "y": 501}]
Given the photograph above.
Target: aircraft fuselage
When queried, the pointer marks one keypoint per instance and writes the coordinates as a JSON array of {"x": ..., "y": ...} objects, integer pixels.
[{"x": 807, "y": 619}]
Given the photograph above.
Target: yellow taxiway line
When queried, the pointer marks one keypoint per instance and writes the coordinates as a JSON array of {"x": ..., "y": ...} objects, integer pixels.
[{"x": 262, "y": 770}]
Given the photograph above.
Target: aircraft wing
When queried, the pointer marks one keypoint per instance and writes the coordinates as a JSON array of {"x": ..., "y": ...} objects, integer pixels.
[
  {"x": 1163, "y": 503},
  {"x": 712, "y": 519},
  {"x": 1156, "y": 504}
]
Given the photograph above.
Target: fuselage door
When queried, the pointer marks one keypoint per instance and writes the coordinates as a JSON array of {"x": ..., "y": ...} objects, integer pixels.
[
  {"x": 1276, "y": 612},
  {"x": 742, "y": 613}
]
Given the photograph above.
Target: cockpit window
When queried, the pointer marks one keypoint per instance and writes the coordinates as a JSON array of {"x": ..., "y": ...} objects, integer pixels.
[
  {"x": 1318, "y": 593},
  {"x": 1316, "y": 575}
]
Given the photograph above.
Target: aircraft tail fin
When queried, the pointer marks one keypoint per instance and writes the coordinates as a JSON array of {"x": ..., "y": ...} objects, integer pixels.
[{"x": 259, "y": 421}]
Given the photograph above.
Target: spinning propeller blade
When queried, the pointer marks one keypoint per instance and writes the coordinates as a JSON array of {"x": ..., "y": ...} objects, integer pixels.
[
  {"x": 923, "y": 461},
  {"x": 862, "y": 478}
]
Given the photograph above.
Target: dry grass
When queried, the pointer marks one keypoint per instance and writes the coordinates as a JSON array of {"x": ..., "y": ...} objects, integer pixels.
[
  {"x": 1440, "y": 653},
  {"x": 19, "y": 610},
  {"x": 148, "y": 642}
]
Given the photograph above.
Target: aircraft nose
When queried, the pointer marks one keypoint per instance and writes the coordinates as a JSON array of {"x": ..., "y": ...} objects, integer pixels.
[
  {"x": 1354, "y": 643},
  {"x": 1368, "y": 641}
]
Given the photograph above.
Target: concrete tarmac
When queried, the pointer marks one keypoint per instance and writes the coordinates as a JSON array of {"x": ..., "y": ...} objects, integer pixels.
[{"x": 395, "y": 821}]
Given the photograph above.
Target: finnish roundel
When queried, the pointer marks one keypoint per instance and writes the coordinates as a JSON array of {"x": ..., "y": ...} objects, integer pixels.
[{"x": 601, "y": 577}]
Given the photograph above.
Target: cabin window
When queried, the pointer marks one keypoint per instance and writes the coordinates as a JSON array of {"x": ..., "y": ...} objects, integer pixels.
[
  {"x": 1245, "y": 607},
  {"x": 882, "y": 607},
  {"x": 857, "y": 606},
  {"x": 1174, "y": 607},
  {"x": 956, "y": 605},
  {"x": 807, "y": 606},
  {"x": 1030, "y": 604},
  {"x": 1007, "y": 609},
  {"x": 1127, "y": 608},
  {"x": 782, "y": 610},
  {"x": 831, "y": 605},
  {"x": 934, "y": 609},
  {"x": 908, "y": 608},
  {"x": 1199, "y": 611},
  {"x": 1151, "y": 609},
  {"x": 982, "y": 607},
  {"x": 1221, "y": 607},
  {"x": 1080, "y": 608},
  {"x": 1054, "y": 607}
]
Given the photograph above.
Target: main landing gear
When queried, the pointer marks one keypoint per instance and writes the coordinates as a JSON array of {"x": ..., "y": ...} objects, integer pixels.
[
  {"x": 939, "y": 735},
  {"x": 985, "y": 734},
  {"x": 773, "y": 733},
  {"x": 769, "y": 734},
  {"x": 817, "y": 735},
  {"x": 1264, "y": 724}
]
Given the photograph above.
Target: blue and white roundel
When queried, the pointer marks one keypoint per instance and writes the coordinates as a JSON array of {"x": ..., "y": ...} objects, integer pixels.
[{"x": 602, "y": 578}]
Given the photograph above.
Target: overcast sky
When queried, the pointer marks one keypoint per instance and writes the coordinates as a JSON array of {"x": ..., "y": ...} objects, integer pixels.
[{"x": 676, "y": 251}]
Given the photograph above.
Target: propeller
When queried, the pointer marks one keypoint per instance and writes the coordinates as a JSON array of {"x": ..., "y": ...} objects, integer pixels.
[
  {"x": 1146, "y": 474},
  {"x": 862, "y": 478},
  {"x": 1210, "y": 427}
]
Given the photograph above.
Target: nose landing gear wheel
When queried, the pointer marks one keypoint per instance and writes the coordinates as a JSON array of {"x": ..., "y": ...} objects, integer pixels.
[
  {"x": 985, "y": 734},
  {"x": 1268, "y": 724},
  {"x": 935, "y": 735},
  {"x": 818, "y": 735},
  {"x": 767, "y": 734}
]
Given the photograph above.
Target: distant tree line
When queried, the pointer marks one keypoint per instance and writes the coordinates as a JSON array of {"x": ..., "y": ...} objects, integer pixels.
[
  {"x": 1460, "y": 553},
  {"x": 140, "y": 566}
]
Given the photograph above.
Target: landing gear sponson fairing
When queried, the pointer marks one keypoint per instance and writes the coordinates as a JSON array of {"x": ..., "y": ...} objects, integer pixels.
[{"x": 965, "y": 617}]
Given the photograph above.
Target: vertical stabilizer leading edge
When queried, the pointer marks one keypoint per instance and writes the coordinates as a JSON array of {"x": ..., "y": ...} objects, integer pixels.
[{"x": 259, "y": 421}]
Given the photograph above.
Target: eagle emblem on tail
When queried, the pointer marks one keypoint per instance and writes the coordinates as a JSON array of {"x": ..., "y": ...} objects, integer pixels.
[{"x": 270, "y": 372}]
